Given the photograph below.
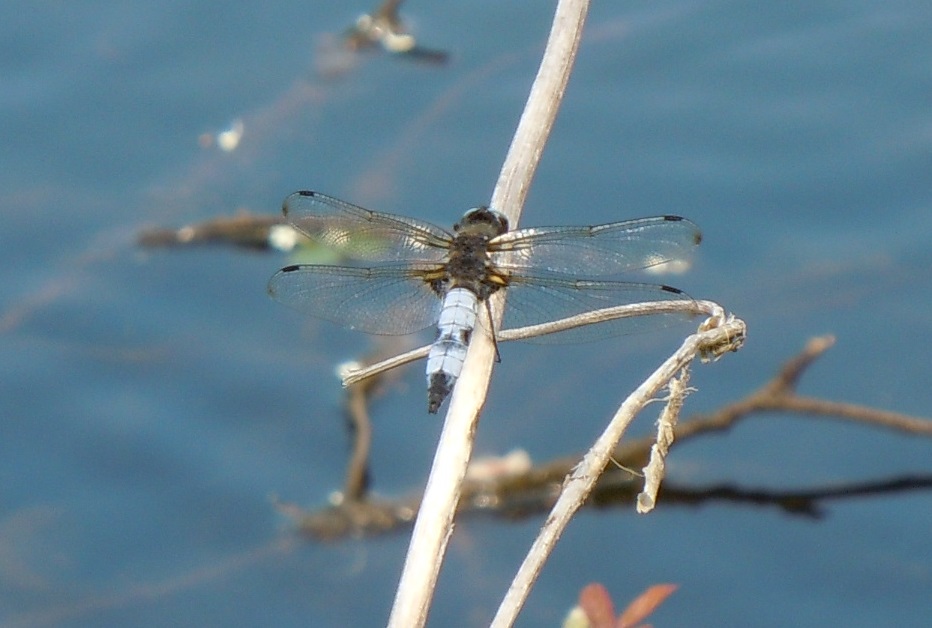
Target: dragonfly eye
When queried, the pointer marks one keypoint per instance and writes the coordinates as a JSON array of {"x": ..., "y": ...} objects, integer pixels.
[{"x": 484, "y": 216}]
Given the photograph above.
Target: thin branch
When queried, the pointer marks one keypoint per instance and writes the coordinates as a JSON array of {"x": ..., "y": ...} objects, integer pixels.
[
  {"x": 686, "y": 306},
  {"x": 714, "y": 338},
  {"x": 354, "y": 488},
  {"x": 356, "y": 408},
  {"x": 435, "y": 518},
  {"x": 853, "y": 412},
  {"x": 654, "y": 471},
  {"x": 780, "y": 394},
  {"x": 790, "y": 373}
]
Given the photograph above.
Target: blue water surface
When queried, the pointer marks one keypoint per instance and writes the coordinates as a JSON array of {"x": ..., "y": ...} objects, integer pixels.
[{"x": 154, "y": 401}]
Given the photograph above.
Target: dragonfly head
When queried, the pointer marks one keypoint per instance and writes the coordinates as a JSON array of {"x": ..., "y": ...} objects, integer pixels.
[{"x": 482, "y": 221}]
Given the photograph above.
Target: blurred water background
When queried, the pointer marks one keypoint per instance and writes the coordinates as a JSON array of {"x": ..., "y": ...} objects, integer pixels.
[{"x": 154, "y": 400}]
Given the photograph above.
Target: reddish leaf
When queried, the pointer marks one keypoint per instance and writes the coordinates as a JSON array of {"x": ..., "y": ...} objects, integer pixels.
[
  {"x": 645, "y": 604},
  {"x": 597, "y": 605}
]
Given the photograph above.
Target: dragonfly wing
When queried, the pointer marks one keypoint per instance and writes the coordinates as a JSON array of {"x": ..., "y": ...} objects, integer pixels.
[
  {"x": 364, "y": 234},
  {"x": 599, "y": 250},
  {"x": 537, "y": 300},
  {"x": 389, "y": 300}
]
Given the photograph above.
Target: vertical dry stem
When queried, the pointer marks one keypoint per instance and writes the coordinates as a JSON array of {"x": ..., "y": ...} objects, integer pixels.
[
  {"x": 666, "y": 424},
  {"x": 434, "y": 524}
]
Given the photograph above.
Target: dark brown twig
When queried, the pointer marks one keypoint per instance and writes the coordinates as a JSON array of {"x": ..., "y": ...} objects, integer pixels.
[
  {"x": 357, "y": 472},
  {"x": 780, "y": 394},
  {"x": 357, "y": 413}
]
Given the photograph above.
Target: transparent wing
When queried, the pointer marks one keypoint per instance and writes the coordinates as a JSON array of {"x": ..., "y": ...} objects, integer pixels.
[
  {"x": 390, "y": 300},
  {"x": 537, "y": 300},
  {"x": 599, "y": 250},
  {"x": 363, "y": 234}
]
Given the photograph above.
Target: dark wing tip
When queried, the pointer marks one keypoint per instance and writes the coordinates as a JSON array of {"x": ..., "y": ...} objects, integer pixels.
[
  {"x": 672, "y": 290},
  {"x": 271, "y": 288},
  {"x": 309, "y": 193},
  {"x": 697, "y": 239}
]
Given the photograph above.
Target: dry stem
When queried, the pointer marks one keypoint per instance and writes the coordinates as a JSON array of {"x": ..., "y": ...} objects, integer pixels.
[
  {"x": 435, "y": 518},
  {"x": 653, "y": 472},
  {"x": 725, "y": 335}
]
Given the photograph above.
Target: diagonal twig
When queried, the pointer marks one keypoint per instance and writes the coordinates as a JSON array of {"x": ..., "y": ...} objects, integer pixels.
[
  {"x": 712, "y": 339},
  {"x": 435, "y": 518}
]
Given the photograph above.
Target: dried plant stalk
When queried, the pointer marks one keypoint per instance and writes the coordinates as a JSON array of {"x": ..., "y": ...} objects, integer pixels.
[
  {"x": 666, "y": 424},
  {"x": 435, "y": 518}
]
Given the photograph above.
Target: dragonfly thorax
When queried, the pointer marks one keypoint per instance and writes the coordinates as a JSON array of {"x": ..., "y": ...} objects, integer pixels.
[{"x": 468, "y": 266}]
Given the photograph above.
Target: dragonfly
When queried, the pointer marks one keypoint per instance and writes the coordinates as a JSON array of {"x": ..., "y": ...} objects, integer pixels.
[{"x": 423, "y": 275}]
